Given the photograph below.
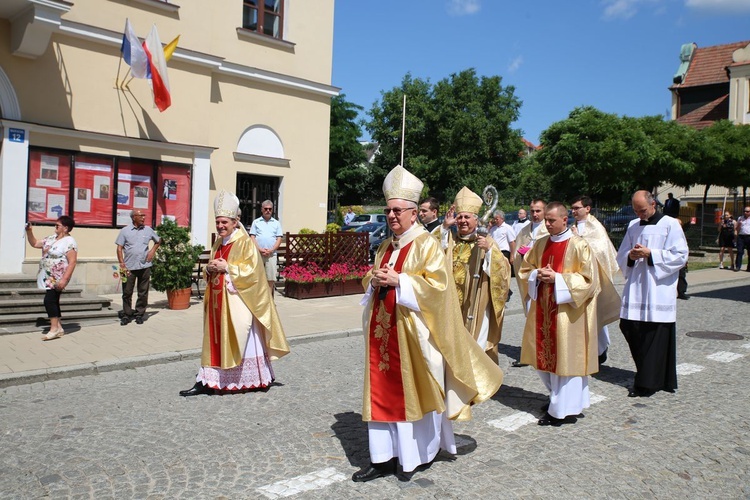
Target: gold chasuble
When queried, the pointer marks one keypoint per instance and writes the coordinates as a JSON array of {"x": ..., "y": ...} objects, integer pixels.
[
  {"x": 562, "y": 338},
  {"x": 421, "y": 361},
  {"x": 228, "y": 316},
  {"x": 492, "y": 291}
]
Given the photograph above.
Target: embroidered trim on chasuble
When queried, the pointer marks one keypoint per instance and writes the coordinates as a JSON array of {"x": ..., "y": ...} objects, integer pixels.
[
  {"x": 546, "y": 311},
  {"x": 386, "y": 383},
  {"x": 461, "y": 257},
  {"x": 216, "y": 291}
]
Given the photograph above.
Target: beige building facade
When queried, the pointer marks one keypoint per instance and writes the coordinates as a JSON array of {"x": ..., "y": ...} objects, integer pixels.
[{"x": 250, "y": 111}]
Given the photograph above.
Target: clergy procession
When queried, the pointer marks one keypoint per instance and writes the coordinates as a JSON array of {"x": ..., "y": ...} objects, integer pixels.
[{"x": 433, "y": 311}]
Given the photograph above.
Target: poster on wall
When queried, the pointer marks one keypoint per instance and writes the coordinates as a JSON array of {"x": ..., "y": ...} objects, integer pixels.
[
  {"x": 37, "y": 200},
  {"x": 82, "y": 201},
  {"x": 140, "y": 197},
  {"x": 49, "y": 172},
  {"x": 56, "y": 206},
  {"x": 170, "y": 189},
  {"x": 135, "y": 189},
  {"x": 123, "y": 193},
  {"x": 123, "y": 217},
  {"x": 92, "y": 193},
  {"x": 173, "y": 198},
  {"x": 49, "y": 186},
  {"x": 101, "y": 187}
]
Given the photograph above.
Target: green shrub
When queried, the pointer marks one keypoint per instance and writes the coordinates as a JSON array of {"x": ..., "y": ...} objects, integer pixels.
[
  {"x": 175, "y": 258},
  {"x": 333, "y": 228},
  {"x": 306, "y": 230}
]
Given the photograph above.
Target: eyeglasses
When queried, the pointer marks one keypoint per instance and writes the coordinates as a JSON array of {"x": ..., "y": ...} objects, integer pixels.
[
  {"x": 576, "y": 208},
  {"x": 396, "y": 211},
  {"x": 267, "y": 209}
]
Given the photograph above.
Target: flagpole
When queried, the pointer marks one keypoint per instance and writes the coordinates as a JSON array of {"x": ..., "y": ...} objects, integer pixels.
[
  {"x": 403, "y": 130},
  {"x": 119, "y": 65}
]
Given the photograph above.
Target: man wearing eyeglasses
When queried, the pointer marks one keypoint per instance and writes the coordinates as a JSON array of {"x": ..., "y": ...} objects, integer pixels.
[
  {"x": 480, "y": 271},
  {"x": 135, "y": 259},
  {"x": 590, "y": 229},
  {"x": 266, "y": 231},
  {"x": 743, "y": 239},
  {"x": 422, "y": 370}
]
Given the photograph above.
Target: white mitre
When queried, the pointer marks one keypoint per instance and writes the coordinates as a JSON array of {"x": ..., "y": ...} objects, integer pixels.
[
  {"x": 400, "y": 183},
  {"x": 226, "y": 204}
]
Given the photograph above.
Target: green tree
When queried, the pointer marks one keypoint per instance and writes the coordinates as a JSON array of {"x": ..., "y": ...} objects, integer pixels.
[
  {"x": 348, "y": 174},
  {"x": 608, "y": 156},
  {"x": 458, "y": 132}
]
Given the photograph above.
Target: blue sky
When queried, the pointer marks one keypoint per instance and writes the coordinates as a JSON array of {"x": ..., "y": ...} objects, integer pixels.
[{"x": 616, "y": 55}]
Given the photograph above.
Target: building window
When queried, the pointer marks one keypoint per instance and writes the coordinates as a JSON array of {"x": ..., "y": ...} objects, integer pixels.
[
  {"x": 102, "y": 190},
  {"x": 264, "y": 16}
]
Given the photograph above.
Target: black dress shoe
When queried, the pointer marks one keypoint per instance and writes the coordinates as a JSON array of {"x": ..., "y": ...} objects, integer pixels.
[
  {"x": 374, "y": 471},
  {"x": 683, "y": 296},
  {"x": 603, "y": 357},
  {"x": 518, "y": 364},
  {"x": 197, "y": 389},
  {"x": 638, "y": 392},
  {"x": 548, "y": 419},
  {"x": 125, "y": 320},
  {"x": 139, "y": 320}
]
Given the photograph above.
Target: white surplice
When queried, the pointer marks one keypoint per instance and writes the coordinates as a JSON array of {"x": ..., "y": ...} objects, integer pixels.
[{"x": 650, "y": 291}]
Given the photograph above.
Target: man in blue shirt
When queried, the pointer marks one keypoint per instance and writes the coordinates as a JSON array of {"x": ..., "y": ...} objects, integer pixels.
[
  {"x": 266, "y": 231},
  {"x": 135, "y": 264}
]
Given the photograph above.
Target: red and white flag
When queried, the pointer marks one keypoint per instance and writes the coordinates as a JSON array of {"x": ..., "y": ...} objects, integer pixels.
[{"x": 158, "y": 70}]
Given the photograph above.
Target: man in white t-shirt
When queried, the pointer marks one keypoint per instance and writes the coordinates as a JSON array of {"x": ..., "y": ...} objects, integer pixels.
[{"x": 503, "y": 234}]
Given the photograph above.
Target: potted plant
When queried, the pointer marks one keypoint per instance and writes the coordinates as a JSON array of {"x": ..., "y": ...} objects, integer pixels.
[
  {"x": 307, "y": 281},
  {"x": 173, "y": 264}
]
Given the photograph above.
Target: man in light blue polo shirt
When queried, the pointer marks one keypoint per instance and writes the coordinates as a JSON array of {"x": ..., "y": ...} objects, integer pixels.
[
  {"x": 266, "y": 231},
  {"x": 135, "y": 264}
]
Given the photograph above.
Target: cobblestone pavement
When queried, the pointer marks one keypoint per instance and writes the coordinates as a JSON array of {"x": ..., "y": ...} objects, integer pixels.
[{"x": 127, "y": 434}]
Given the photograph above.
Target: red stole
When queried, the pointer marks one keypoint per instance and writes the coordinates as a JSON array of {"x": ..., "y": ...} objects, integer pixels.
[
  {"x": 546, "y": 309},
  {"x": 386, "y": 385},
  {"x": 215, "y": 305}
]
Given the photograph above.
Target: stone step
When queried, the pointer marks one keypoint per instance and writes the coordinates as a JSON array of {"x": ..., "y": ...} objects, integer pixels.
[
  {"x": 36, "y": 305},
  {"x": 11, "y": 281},
  {"x": 23, "y": 323},
  {"x": 20, "y": 293}
]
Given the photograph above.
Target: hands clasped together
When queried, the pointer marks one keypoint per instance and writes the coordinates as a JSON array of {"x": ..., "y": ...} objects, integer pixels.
[{"x": 217, "y": 266}]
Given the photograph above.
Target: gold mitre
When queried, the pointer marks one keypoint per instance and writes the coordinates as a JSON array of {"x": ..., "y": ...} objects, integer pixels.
[
  {"x": 400, "y": 183},
  {"x": 226, "y": 204},
  {"x": 468, "y": 201}
]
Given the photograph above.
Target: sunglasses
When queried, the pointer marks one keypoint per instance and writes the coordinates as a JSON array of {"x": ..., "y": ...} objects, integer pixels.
[{"x": 396, "y": 211}]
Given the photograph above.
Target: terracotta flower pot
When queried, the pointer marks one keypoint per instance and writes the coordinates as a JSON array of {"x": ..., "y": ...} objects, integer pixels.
[{"x": 179, "y": 299}]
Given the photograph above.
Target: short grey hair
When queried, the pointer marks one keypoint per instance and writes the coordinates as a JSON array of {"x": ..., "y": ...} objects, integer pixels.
[
  {"x": 267, "y": 203},
  {"x": 498, "y": 213}
]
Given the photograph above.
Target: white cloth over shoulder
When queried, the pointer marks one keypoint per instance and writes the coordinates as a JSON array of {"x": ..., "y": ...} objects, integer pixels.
[{"x": 650, "y": 292}]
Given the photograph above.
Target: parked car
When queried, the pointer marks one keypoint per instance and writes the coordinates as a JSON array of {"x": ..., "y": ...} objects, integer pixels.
[
  {"x": 363, "y": 219},
  {"x": 619, "y": 221},
  {"x": 376, "y": 239},
  {"x": 377, "y": 230}
]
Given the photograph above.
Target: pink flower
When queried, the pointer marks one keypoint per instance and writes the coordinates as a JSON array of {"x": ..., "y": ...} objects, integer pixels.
[{"x": 313, "y": 273}]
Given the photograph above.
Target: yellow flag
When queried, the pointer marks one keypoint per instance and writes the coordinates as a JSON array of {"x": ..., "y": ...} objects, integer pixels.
[{"x": 169, "y": 49}]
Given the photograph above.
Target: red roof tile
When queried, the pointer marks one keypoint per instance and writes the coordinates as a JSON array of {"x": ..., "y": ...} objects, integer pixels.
[
  {"x": 708, "y": 65},
  {"x": 707, "y": 114}
]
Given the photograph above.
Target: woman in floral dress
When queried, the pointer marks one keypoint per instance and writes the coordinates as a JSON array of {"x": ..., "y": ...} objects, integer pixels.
[{"x": 59, "y": 257}]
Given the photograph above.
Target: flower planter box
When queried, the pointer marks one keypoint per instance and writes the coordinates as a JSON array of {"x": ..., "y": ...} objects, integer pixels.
[{"x": 297, "y": 290}]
